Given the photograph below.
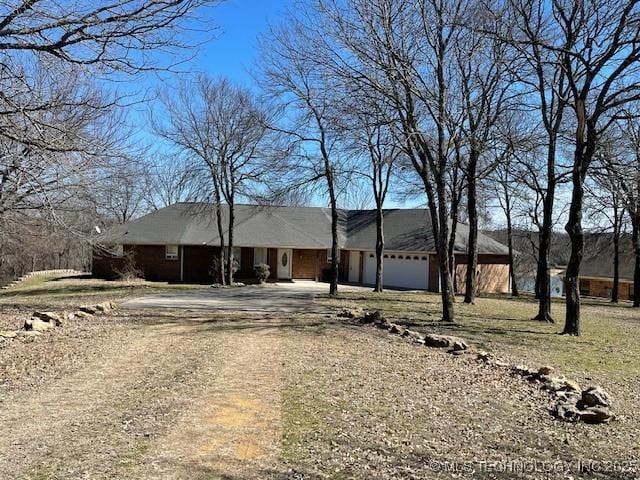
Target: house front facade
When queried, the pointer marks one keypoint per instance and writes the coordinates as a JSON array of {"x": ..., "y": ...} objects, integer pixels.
[{"x": 180, "y": 244}]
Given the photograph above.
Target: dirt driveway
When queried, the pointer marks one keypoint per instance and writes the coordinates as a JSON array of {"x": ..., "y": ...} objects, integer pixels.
[
  {"x": 165, "y": 399},
  {"x": 175, "y": 393},
  {"x": 279, "y": 297}
]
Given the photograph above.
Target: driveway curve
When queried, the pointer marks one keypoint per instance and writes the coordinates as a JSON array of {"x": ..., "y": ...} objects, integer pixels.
[{"x": 272, "y": 297}]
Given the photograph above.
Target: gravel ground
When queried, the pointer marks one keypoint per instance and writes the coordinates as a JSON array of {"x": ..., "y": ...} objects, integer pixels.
[{"x": 186, "y": 395}]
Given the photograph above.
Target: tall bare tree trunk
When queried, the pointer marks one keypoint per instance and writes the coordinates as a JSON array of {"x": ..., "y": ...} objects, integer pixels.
[
  {"x": 446, "y": 283},
  {"x": 379, "y": 247},
  {"x": 615, "y": 290},
  {"x": 231, "y": 223},
  {"x": 574, "y": 229},
  {"x": 472, "y": 211},
  {"x": 636, "y": 248},
  {"x": 222, "y": 277},
  {"x": 335, "y": 252},
  {"x": 584, "y": 149},
  {"x": 543, "y": 277},
  {"x": 512, "y": 271}
]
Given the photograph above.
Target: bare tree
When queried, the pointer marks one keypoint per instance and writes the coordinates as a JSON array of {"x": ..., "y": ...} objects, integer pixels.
[
  {"x": 120, "y": 193},
  {"x": 114, "y": 35},
  {"x": 599, "y": 45},
  {"x": 56, "y": 124},
  {"x": 526, "y": 27},
  {"x": 605, "y": 204},
  {"x": 370, "y": 127},
  {"x": 623, "y": 171},
  {"x": 404, "y": 52},
  {"x": 54, "y": 149},
  {"x": 293, "y": 76},
  {"x": 170, "y": 180},
  {"x": 222, "y": 128},
  {"x": 484, "y": 63}
]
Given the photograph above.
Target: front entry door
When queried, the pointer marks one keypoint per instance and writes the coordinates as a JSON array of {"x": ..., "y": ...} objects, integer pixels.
[{"x": 284, "y": 263}]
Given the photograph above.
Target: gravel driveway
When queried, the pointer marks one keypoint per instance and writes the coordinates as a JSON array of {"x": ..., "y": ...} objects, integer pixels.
[{"x": 273, "y": 297}]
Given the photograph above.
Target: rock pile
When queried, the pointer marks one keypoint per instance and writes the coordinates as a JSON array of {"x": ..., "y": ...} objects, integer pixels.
[
  {"x": 41, "y": 322},
  {"x": 592, "y": 406},
  {"x": 572, "y": 403},
  {"x": 454, "y": 345}
]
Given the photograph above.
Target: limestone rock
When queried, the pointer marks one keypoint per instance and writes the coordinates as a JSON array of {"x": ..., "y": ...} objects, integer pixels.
[
  {"x": 8, "y": 334},
  {"x": 445, "y": 341},
  {"x": 500, "y": 363},
  {"x": 350, "y": 313},
  {"x": 596, "y": 415},
  {"x": 595, "y": 396},
  {"x": 459, "y": 345},
  {"x": 37, "y": 325},
  {"x": 50, "y": 317},
  {"x": 568, "y": 396},
  {"x": 554, "y": 384},
  {"x": 104, "y": 307},
  {"x": 567, "y": 410},
  {"x": 485, "y": 357},
  {"x": 373, "y": 317},
  {"x": 91, "y": 310},
  {"x": 522, "y": 370},
  {"x": 437, "y": 341},
  {"x": 571, "y": 386},
  {"x": 397, "y": 329},
  {"x": 457, "y": 352},
  {"x": 30, "y": 333},
  {"x": 412, "y": 334}
]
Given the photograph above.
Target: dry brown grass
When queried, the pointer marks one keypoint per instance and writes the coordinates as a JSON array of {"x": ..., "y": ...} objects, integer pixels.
[{"x": 184, "y": 394}]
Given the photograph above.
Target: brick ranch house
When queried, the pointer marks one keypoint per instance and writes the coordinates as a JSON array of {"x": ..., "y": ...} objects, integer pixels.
[{"x": 179, "y": 243}]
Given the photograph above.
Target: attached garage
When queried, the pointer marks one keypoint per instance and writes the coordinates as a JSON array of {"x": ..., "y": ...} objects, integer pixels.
[{"x": 401, "y": 270}]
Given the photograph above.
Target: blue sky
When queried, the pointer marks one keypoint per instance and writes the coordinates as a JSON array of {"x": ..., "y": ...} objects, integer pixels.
[
  {"x": 233, "y": 50},
  {"x": 230, "y": 53}
]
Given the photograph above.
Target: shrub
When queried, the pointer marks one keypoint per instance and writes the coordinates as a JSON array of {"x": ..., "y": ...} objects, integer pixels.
[
  {"x": 262, "y": 272},
  {"x": 128, "y": 270}
]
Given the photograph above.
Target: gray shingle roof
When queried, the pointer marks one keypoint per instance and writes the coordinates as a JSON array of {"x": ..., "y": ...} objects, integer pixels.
[
  {"x": 598, "y": 261},
  {"x": 298, "y": 227}
]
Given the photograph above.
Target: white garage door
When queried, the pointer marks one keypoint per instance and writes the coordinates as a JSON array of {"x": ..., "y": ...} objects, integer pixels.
[{"x": 399, "y": 270}]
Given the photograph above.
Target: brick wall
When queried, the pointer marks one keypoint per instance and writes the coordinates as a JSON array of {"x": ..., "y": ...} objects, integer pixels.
[
  {"x": 592, "y": 287},
  {"x": 148, "y": 259},
  {"x": 493, "y": 273},
  {"x": 199, "y": 263}
]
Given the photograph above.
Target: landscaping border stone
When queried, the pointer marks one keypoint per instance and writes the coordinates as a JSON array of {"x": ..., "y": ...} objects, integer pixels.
[{"x": 572, "y": 403}]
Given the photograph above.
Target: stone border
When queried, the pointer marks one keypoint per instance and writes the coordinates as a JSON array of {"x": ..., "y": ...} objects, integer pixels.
[
  {"x": 572, "y": 403},
  {"x": 42, "y": 273},
  {"x": 41, "y": 322}
]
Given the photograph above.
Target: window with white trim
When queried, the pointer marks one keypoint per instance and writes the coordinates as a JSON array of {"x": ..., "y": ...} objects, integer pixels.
[
  {"x": 259, "y": 256},
  {"x": 171, "y": 252}
]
